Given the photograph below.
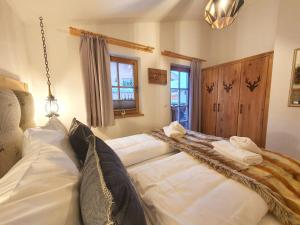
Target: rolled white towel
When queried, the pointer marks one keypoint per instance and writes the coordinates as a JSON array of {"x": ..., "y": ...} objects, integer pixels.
[
  {"x": 175, "y": 125},
  {"x": 172, "y": 133},
  {"x": 245, "y": 143},
  {"x": 240, "y": 155}
]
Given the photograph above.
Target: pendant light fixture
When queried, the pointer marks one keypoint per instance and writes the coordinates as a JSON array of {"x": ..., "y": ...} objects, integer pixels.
[
  {"x": 51, "y": 106},
  {"x": 222, "y": 13}
]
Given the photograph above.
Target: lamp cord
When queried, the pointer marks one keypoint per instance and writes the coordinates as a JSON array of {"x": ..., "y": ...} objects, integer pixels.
[{"x": 45, "y": 55}]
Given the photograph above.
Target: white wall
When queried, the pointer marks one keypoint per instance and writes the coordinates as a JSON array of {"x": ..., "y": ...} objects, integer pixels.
[
  {"x": 284, "y": 125},
  {"x": 64, "y": 60},
  {"x": 13, "y": 48},
  {"x": 253, "y": 32}
]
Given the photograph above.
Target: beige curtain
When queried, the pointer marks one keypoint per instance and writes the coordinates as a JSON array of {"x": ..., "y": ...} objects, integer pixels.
[
  {"x": 95, "y": 62},
  {"x": 195, "y": 96}
]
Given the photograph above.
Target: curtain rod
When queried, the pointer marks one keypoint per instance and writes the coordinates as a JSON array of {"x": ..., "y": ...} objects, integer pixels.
[
  {"x": 113, "y": 41},
  {"x": 179, "y": 56}
]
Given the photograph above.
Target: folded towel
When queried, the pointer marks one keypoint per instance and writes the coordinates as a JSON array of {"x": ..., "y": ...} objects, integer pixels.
[
  {"x": 175, "y": 125},
  {"x": 245, "y": 143},
  {"x": 240, "y": 155},
  {"x": 172, "y": 133}
]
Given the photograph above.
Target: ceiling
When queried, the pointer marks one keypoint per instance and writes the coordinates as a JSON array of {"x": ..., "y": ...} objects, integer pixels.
[
  {"x": 109, "y": 11},
  {"x": 116, "y": 11}
]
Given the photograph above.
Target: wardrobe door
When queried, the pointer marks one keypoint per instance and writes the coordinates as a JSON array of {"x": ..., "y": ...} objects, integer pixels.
[
  {"x": 253, "y": 89},
  {"x": 228, "y": 100},
  {"x": 209, "y": 100}
]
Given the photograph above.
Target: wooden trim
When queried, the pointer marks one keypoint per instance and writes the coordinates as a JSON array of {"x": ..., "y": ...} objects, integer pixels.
[
  {"x": 179, "y": 56},
  {"x": 267, "y": 101},
  {"x": 10, "y": 83},
  {"x": 135, "y": 111},
  {"x": 241, "y": 60},
  {"x": 181, "y": 68},
  {"x": 113, "y": 41},
  {"x": 293, "y": 78},
  {"x": 128, "y": 115}
]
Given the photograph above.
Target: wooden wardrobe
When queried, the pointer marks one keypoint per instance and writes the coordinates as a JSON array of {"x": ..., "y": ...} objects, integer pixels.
[{"x": 235, "y": 98}]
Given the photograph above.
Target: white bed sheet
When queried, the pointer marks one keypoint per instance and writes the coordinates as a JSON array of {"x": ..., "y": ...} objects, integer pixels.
[{"x": 178, "y": 190}]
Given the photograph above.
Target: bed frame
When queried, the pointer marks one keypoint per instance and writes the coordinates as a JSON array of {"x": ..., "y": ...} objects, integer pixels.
[{"x": 10, "y": 83}]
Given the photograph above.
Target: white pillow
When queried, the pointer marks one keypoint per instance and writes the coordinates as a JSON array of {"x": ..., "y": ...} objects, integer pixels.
[
  {"x": 42, "y": 188},
  {"x": 55, "y": 124},
  {"x": 57, "y": 138}
]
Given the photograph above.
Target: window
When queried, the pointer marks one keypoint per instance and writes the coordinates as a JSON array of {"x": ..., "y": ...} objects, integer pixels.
[
  {"x": 180, "y": 76},
  {"x": 124, "y": 82}
]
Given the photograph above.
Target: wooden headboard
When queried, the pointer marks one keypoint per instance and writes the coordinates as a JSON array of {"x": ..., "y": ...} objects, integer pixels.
[{"x": 10, "y": 83}]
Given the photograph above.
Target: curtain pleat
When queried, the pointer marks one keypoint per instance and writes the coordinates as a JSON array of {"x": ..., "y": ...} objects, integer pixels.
[
  {"x": 95, "y": 62},
  {"x": 195, "y": 96}
]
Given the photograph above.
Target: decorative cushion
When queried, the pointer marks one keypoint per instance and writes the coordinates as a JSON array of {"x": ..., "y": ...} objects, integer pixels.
[
  {"x": 78, "y": 135},
  {"x": 107, "y": 195},
  {"x": 10, "y": 132},
  {"x": 27, "y": 109}
]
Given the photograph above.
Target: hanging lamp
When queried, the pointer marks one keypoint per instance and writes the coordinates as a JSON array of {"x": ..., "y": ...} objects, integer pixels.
[
  {"x": 222, "y": 13},
  {"x": 51, "y": 106}
]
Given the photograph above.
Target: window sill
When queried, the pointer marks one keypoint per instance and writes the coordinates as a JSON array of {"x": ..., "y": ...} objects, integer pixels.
[{"x": 128, "y": 115}]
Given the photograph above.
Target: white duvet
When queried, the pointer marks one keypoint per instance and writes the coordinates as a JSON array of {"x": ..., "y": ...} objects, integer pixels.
[
  {"x": 138, "y": 148},
  {"x": 178, "y": 190},
  {"x": 42, "y": 188}
]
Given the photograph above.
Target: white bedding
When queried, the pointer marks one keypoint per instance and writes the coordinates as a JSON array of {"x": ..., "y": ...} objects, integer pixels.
[
  {"x": 42, "y": 188},
  {"x": 173, "y": 192},
  {"x": 178, "y": 190},
  {"x": 138, "y": 148}
]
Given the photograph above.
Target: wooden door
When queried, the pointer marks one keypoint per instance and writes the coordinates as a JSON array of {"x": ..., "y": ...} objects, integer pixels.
[
  {"x": 228, "y": 100},
  {"x": 209, "y": 100},
  {"x": 253, "y": 90}
]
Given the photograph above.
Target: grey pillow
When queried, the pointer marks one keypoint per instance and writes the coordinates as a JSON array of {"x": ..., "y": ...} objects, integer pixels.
[
  {"x": 78, "y": 135},
  {"x": 10, "y": 132},
  {"x": 27, "y": 109},
  {"x": 107, "y": 195}
]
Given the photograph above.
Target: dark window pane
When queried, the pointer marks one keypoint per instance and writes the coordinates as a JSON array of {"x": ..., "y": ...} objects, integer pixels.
[
  {"x": 174, "y": 97},
  {"x": 175, "y": 113},
  {"x": 124, "y": 104},
  {"x": 127, "y": 93},
  {"x": 183, "y": 113},
  {"x": 184, "y": 95},
  {"x": 126, "y": 75},
  {"x": 184, "y": 80},
  {"x": 185, "y": 124},
  {"x": 114, "y": 74},
  {"x": 174, "y": 79},
  {"x": 115, "y": 93}
]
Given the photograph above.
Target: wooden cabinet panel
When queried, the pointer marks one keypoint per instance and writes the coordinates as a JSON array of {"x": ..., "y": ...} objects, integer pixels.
[
  {"x": 228, "y": 100},
  {"x": 209, "y": 100},
  {"x": 253, "y": 90}
]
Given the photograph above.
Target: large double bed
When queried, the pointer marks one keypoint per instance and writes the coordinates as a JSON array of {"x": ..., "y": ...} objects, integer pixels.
[{"x": 174, "y": 188}]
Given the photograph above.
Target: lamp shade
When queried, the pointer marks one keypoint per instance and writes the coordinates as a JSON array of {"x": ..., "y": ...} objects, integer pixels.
[
  {"x": 51, "y": 106},
  {"x": 222, "y": 13}
]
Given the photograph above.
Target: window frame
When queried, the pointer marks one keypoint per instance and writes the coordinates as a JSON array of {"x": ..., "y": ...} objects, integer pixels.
[
  {"x": 134, "y": 111},
  {"x": 180, "y": 68}
]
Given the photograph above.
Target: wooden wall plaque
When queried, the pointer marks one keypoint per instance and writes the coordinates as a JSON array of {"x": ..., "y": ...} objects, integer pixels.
[{"x": 157, "y": 76}]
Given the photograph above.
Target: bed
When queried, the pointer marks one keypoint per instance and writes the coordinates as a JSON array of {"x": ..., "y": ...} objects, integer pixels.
[
  {"x": 171, "y": 186},
  {"x": 175, "y": 189}
]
